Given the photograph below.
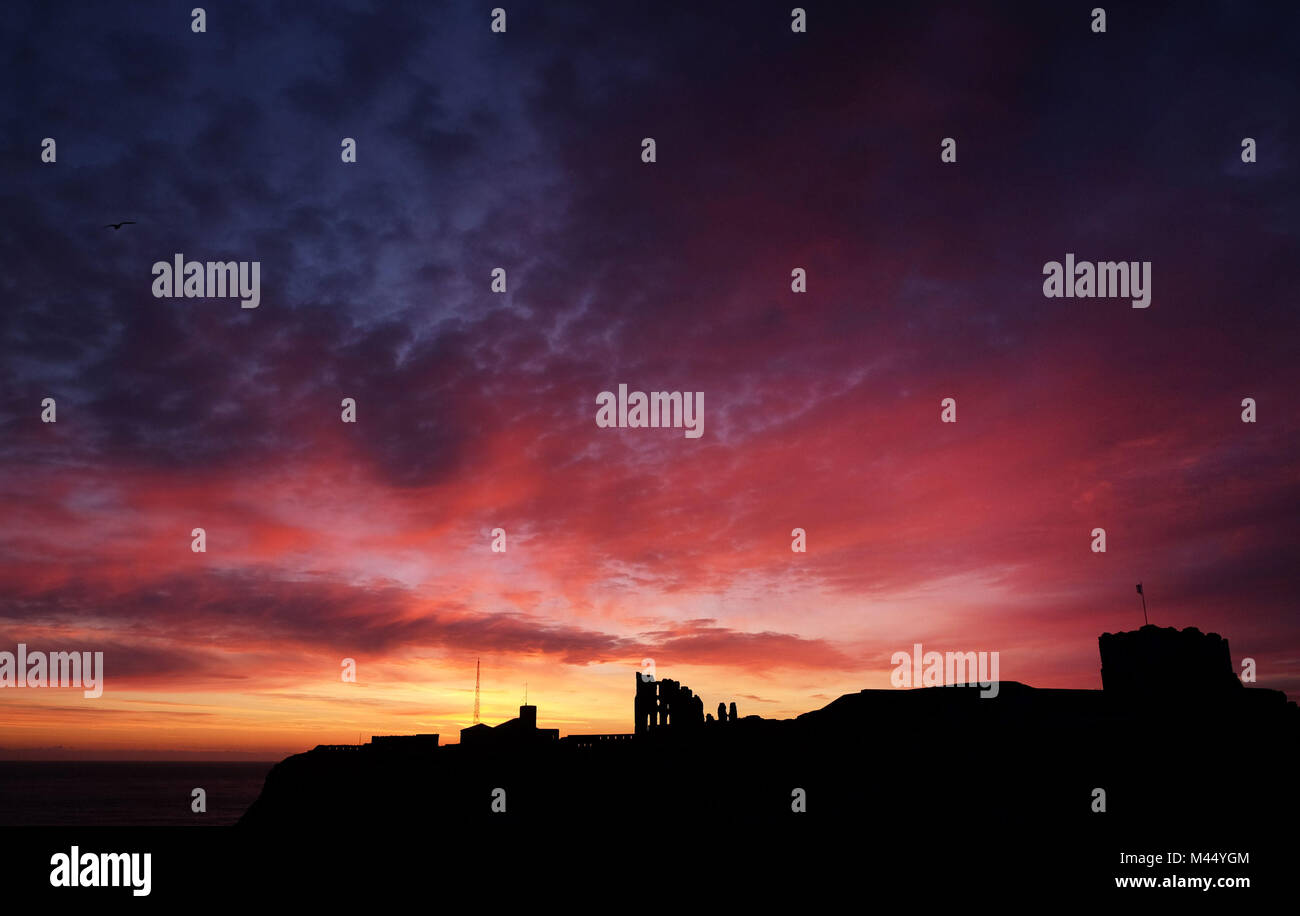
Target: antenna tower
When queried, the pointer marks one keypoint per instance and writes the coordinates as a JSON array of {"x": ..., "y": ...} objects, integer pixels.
[{"x": 476, "y": 664}]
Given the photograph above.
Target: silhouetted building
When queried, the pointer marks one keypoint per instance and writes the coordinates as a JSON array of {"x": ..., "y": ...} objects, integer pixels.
[
  {"x": 478, "y": 733},
  {"x": 731, "y": 715},
  {"x": 404, "y": 743},
  {"x": 1165, "y": 661},
  {"x": 664, "y": 704},
  {"x": 518, "y": 732},
  {"x": 722, "y": 712}
]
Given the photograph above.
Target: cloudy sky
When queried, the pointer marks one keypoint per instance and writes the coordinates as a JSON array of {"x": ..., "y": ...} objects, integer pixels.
[{"x": 475, "y": 410}]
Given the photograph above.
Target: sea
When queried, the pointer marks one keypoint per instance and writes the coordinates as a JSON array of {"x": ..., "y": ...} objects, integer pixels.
[{"x": 125, "y": 793}]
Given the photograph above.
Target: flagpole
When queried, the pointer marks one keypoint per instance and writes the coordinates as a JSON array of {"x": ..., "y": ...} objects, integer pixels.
[{"x": 1144, "y": 605}]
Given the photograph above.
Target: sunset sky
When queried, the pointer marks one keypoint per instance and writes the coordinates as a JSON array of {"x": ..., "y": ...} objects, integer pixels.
[{"x": 477, "y": 410}]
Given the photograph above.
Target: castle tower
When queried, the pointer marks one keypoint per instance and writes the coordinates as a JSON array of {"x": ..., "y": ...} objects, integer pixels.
[
  {"x": 1165, "y": 661},
  {"x": 645, "y": 708}
]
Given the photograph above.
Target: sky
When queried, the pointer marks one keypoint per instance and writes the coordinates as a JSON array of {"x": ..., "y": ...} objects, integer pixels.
[{"x": 476, "y": 410}]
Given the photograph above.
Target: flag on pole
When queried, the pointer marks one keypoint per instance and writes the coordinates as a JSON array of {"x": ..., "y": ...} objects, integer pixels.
[{"x": 1139, "y": 588}]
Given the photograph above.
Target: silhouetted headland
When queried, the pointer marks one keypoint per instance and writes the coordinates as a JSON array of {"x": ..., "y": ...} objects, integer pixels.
[{"x": 1173, "y": 738}]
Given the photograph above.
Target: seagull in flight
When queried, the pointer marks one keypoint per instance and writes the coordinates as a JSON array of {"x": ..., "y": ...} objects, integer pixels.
[{"x": 125, "y": 222}]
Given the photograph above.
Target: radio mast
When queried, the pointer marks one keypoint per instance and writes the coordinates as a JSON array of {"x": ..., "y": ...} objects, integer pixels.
[{"x": 476, "y": 664}]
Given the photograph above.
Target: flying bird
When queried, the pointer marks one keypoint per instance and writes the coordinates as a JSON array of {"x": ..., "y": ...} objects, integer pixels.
[{"x": 125, "y": 222}]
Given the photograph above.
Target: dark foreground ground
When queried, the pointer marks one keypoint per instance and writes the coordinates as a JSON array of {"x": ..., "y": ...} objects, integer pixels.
[{"x": 935, "y": 794}]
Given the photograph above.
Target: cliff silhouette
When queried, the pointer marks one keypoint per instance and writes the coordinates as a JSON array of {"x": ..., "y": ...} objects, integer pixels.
[{"x": 1176, "y": 742}]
